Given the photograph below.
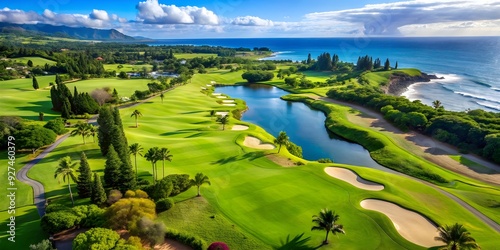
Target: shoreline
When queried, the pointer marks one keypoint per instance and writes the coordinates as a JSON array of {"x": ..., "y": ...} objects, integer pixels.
[{"x": 398, "y": 84}]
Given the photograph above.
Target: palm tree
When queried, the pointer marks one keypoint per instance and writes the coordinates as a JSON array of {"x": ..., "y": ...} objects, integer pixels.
[
  {"x": 456, "y": 237},
  {"x": 164, "y": 154},
  {"x": 437, "y": 104},
  {"x": 81, "y": 129},
  {"x": 66, "y": 170},
  {"x": 137, "y": 114},
  {"x": 152, "y": 156},
  {"x": 281, "y": 140},
  {"x": 92, "y": 131},
  {"x": 223, "y": 120},
  {"x": 161, "y": 97},
  {"x": 199, "y": 180},
  {"x": 297, "y": 243},
  {"x": 326, "y": 221},
  {"x": 135, "y": 149}
]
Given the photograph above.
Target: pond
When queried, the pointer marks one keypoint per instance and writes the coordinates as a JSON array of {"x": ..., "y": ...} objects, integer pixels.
[{"x": 304, "y": 126}]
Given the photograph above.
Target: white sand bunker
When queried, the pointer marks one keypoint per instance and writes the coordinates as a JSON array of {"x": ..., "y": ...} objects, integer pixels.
[
  {"x": 212, "y": 82},
  {"x": 227, "y": 101},
  {"x": 253, "y": 142},
  {"x": 229, "y": 104},
  {"x": 239, "y": 127},
  {"x": 353, "y": 179},
  {"x": 217, "y": 94},
  {"x": 412, "y": 226},
  {"x": 203, "y": 88},
  {"x": 221, "y": 97},
  {"x": 221, "y": 113},
  {"x": 208, "y": 85}
]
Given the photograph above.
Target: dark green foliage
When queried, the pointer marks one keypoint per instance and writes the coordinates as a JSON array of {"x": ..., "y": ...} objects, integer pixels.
[
  {"x": 164, "y": 204},
  {"x": 96, "y": 238},
  {"x": 309, "y": 59},
  {"x": 106, "y": 122},
  {"x": 42, "y": 245},
  {"x": 84, "y": 182},
  {"x": 160, "y": 190},
  {"x": 364, "y": 63},
  {"x": 54, "y": 207},
  {"x": 180, "y": 183},
  {"x": 35, "y": 83},
  {"x": 294, "y": 149},
  {"x": 492, "y": 148},
  {"x": 56, "y": 125},
  {"x": 33, "y": 137},
  {"x": 58, "y": 221},
  {"x": 185, "y": 238},
  {"x": 325, "y": 160},
  {"x": 387, "y": 64},
  {"x": 326, "y": 62},
  {"x": 40, "y": 116},
  {"x": 257, "y": 76},
  {"x": 112, "y": 169},
  {"x": 66, "y": 109},
  {"x": 89, "y": 216}
]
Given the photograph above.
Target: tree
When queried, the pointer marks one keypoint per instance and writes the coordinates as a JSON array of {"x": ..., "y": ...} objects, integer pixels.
[
  {"x": 82, "y": 129},
  {"x": 396, "y": 67},
  {"x": 200, "y": 179},
  {"x": 309, "y": 59},
  {"x": 297, "y": 243},
  {"x": 40, "y": 116},
  {"x": 84, "y": 182},
  {"x": 98, "y": 195},
  {"x": 437, "y": 104},
  {"x": 66, "y": 171},
  {"x": 161, "y": 97},
  {"x": 96, "y": 238},
  {"x": 387, "y": 64},
  {"x": 30, "y": 63},
  {"x": 326, "y": 220},
  {"x": 56, "y": 125},
  {"x": 135, "y": 149},
  {"x": 92, "y": 131},
  {"x": 456, "y": 237},
  {"x": 125, "y": 213},
  {"x": 112, "y": 168},
  {"x": 223, "y": 120},
  {"x": 257, "y": 76},
  {"x": 282, "y": 140},
  {"x": 58, "y": 221},
  {"x": 42, "y": 245},
  {"x": 66, "y": 109},
  {"x": 136, "y": 114},
  {"x": 35, "y": 83},
  {"x": 34, "y": 137},
  {"x": 212, "y": 113},
  {"x": 152, "y": 156},
  {"x": 106, "y": 122},
  {"x": 164, "y": 154}
]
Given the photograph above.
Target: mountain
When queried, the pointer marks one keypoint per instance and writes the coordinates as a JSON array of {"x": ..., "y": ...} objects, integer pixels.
[{"x": 63, "y": 31}]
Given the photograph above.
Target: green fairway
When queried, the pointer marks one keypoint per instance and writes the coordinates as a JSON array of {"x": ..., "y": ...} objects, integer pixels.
[
  {"x": 193, "y": 55},
  {"x": 20, "y": 99},
  {"x": 127, "y": 67},
  {"x": 37, "y": 61},
  {"x": 255, "y": 201},
  {"x": 382, "y": 77}
]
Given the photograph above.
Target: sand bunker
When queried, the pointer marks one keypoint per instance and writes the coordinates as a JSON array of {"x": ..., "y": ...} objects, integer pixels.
[
  {"x": 212, "y": 82},
  {"x": 353, "y": 179},
  {"x": 229, "y": 104},
  {"x": 253, "y": 142},
  {"x": 217, "y": 94},
  {"x": 203, "y": 88},
  {"x": 208, "y": 85},
  {"x": 412, "y": 226},
  {"x": 227, "y": 101},
  {"x": 221, "y": 113},
  {"x": 221, "y": 97},
  {"x": 239, "y": 127}
]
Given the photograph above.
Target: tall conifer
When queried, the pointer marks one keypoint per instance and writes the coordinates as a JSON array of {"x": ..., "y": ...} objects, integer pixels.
[
  {"x": 35, "y": 83},
  {"x": 106, "y": 122},
  {"x": 112, "y": 169},
  {"x": 84, "y": 181},
  {"x": 98, "y": 195}
]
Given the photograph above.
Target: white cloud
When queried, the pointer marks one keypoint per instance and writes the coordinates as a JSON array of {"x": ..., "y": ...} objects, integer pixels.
[
  {"x": 388, "y": 18},
  {"x": 100, "y": 15},
  {"x": 18, "y": 16},
  {"x": 251, "y": 21},
  {"x": 152, "y": 12}
]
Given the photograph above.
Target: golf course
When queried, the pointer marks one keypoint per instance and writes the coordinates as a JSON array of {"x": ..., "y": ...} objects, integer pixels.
[{"x": 260, "y": 193}]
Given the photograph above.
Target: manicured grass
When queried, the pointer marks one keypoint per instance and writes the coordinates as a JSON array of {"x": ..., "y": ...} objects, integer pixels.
[
  {"x": 318, "y": 76},
  {"x": 193, "y": 55},
  {"x": 20, "y": 99},
  {"x": 37, "y": 61},
  {"x": 28, "y": 230},
  {"x": 129, "y": 68}
]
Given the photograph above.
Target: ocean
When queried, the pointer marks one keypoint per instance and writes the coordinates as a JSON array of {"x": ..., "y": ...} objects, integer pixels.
[{"x": 470, "y": 65}]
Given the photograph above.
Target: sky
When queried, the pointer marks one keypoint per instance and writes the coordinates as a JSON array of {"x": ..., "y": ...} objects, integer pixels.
[{"x": 174, "y": 19}]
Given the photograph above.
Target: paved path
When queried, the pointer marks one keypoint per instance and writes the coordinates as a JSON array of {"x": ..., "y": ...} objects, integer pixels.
[
  {"x": 38, "y": 190},
  {"x": 447, "y": 148}
]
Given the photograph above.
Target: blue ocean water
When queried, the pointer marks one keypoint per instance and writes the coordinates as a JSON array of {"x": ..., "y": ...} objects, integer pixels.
[{"x": 470, "y": 65}]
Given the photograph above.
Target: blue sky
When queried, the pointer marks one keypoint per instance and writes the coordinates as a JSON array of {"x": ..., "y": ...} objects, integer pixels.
[{"x": 265, "y": 18}]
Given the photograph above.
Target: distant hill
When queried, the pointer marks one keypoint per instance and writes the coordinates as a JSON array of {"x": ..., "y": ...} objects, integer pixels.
[{"x": 63, "y": 31}]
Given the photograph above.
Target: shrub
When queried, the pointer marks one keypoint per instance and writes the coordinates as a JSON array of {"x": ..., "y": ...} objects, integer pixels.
[
  {"x": 325, "y": 160},
  {"x": 56, "y": 125},
  {"x": 164, "y": 205},
  {"x": 42, "y": 245},
  {"x": 180, "y": 183},
  {"x": 96, "y": 238},
  {"x": 187, "y": 239},
  {"x": 257, "y": 76},
  {"x": 58, "y": 221},
  {"x": 55, "y": 207},
  {"x": 218, "y": 246}
]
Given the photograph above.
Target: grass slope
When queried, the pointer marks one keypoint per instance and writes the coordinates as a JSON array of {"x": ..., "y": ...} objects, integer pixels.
[{"x": 37, "y": 61}]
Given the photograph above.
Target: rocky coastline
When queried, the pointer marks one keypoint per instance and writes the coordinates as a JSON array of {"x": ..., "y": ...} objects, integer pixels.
[{"x": 399, "y": 83}]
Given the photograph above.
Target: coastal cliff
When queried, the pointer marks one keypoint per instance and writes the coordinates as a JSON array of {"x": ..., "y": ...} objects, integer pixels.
[{"x": 399, "y": 83}]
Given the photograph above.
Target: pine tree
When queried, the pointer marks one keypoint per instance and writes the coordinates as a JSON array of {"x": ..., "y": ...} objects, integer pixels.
[
  {"x": 98, "y": 195},
  {"x": 35, "y": 83},
  {"x": 106, "y": 122},
  {"x": 115, "y": 96},
  {"x": 56, "y": 100},
  {"x": 309, "y": 60},
  {"x": 84, "y": 182},
  {"x": 58, "y": 79},
  {"x": 387, "y": 65},
  {"x": 396, "y": 67},
  {"x": 127, "y": 180},
  {"x": 66, "y": 109},
  {"x": 117, "y": 118},
  {"x": 119, "y": 144},
  {"x": 112, "y": 169}
]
